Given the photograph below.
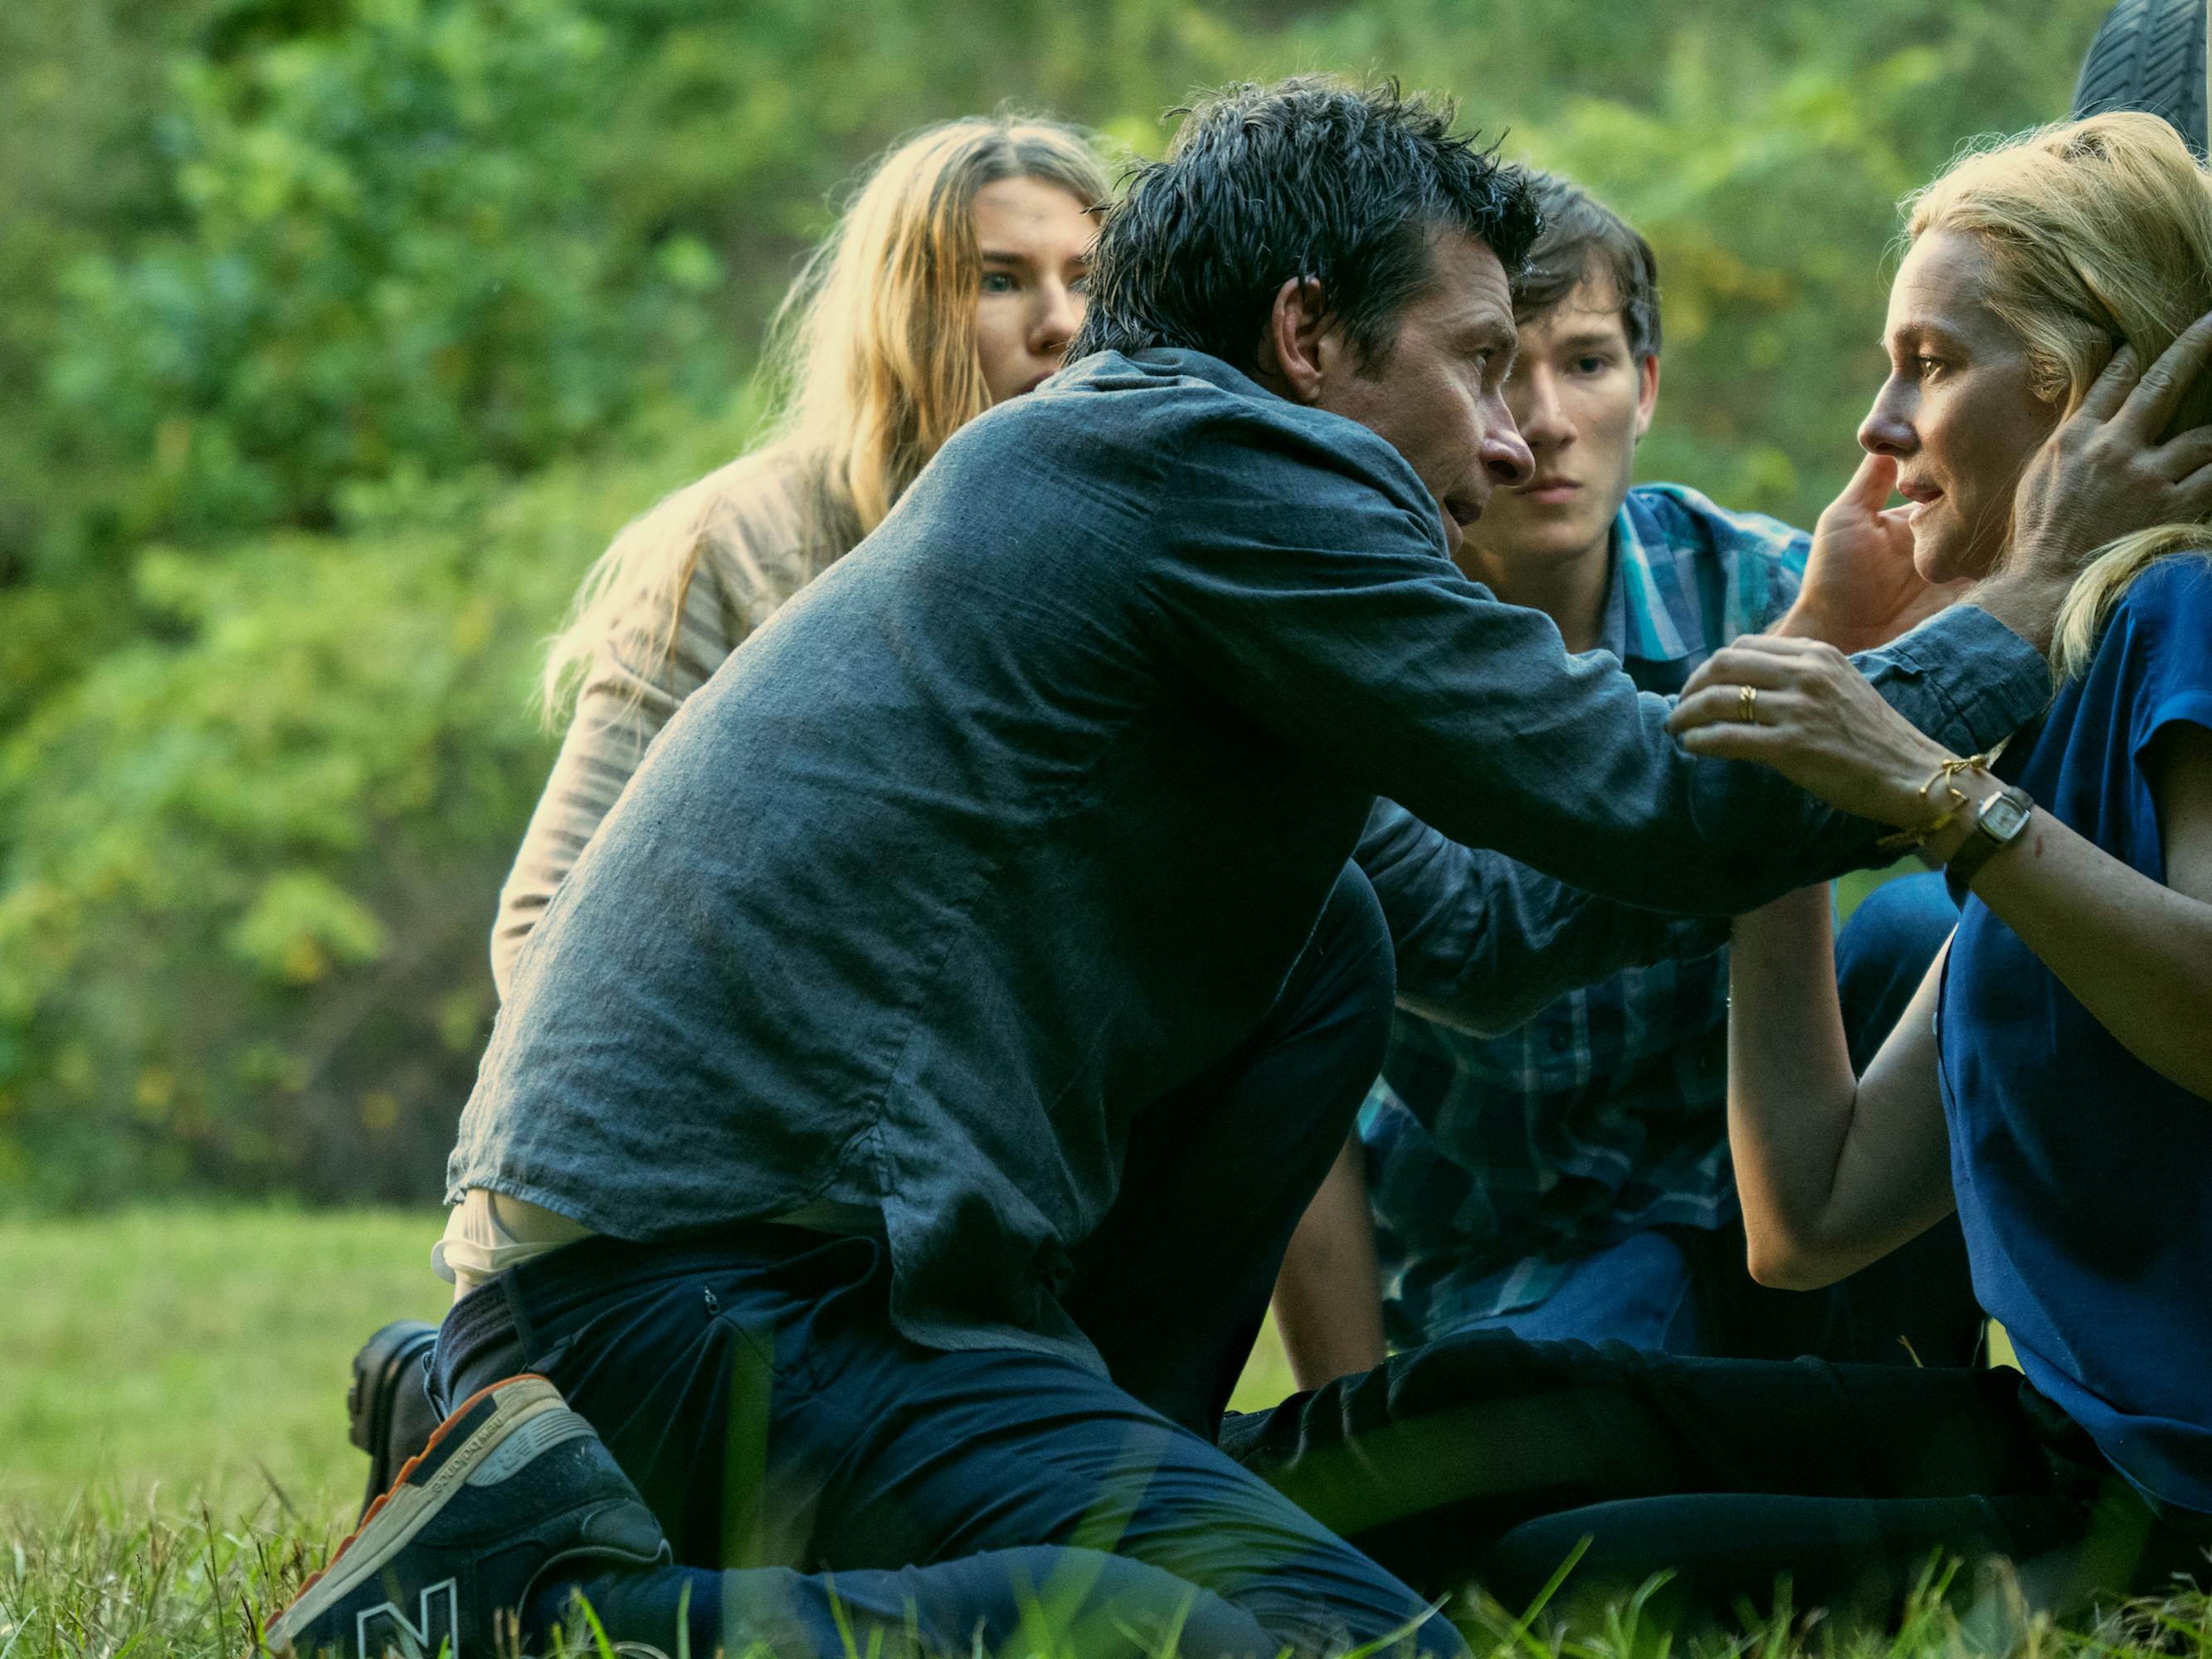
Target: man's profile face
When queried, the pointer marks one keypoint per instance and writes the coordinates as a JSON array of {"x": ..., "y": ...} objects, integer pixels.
[
  {"x": 1582, "y": 401},
  {"x": 1437, "y": 395}
]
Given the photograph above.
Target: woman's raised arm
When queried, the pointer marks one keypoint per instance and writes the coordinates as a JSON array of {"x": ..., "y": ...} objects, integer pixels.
[
  {"x": 2134, "y": 951},
  {"x": 1834, "y": 1172}
]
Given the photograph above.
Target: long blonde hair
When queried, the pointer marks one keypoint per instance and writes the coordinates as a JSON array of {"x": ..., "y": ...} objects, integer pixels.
[
  {"x": 873, "y": 358},
  {"x": 2098, "y": 233}
]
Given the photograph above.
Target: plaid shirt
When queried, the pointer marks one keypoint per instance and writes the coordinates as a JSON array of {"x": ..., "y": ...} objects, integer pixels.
[{"x": 1495, "y": 1162}]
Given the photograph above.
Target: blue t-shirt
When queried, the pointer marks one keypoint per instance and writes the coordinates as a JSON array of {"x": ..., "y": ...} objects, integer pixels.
[{"x": 2084, "y": 1178}]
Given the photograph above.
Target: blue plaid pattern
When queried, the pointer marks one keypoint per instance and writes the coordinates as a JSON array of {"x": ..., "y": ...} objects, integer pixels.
[{"x": 1495, "y": 1162}]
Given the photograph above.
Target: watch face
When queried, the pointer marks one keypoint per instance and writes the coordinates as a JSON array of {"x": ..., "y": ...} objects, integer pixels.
[{"x": 2004, "y": 817}]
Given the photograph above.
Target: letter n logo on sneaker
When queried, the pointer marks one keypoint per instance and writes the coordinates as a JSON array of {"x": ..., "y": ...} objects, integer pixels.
[{"x": 384, "y": 1629}]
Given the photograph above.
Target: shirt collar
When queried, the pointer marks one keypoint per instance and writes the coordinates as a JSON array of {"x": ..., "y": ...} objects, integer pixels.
[
  {"x": 1170, "y": 362},
  {"x": 1638, "y": 624}
]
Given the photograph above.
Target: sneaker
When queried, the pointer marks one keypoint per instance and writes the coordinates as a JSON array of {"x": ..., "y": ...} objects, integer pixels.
[
  {"x": 2150, "y": 55},
  {"x": 510, "y": 1485},
  {"x": 388, "y": 1411}
]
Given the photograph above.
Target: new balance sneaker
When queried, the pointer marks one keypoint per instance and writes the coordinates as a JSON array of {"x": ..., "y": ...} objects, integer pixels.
[
  {"x": 388, "y": 1411},
  {"x": 2150, "y": 55},
  {"x": 510, "y": 1485}
]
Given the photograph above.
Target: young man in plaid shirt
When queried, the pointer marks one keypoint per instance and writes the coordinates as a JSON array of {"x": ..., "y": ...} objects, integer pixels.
[{"x": 1570, "y": 1178}]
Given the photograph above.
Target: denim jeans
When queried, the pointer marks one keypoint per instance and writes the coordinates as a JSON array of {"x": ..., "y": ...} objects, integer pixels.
[
  {"x": 753, "y": 1385},
  {"x": 1685, "y": 1291},
  {"x": 1882, "y": 954},
  {"x": 1915, "y": 1306},
  {"x": 753, "y": 1389},
  {"x": 1643, "y": 1291}
]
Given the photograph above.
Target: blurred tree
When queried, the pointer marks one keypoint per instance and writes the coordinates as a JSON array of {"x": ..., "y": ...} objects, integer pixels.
[
  {"x": 389, "y": 265},
  {"x": 242, "y": 941},
  {"x": 81, "y": 89}
]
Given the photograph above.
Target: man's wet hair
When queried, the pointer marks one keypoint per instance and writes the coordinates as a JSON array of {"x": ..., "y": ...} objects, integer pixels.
[
  {"x": 1312, "y": 176},
  {"x": 1584, "y": 241}
]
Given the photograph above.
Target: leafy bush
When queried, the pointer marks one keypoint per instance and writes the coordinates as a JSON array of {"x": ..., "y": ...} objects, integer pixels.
[
  {"x": 390, "y": 265},
  {"x": 242, "y": 939}
]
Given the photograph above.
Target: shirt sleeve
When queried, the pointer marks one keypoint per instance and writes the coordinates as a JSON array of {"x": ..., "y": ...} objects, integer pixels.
[
  {"x": 2163, "y": 627},
  {"x": 1302, "y": 575},
  {"x": 1483, "y": 943},
  {"x": 1785, "y": 564},
  {"x": 635, "y": 685},
  {"x": 771, "y": 527}
]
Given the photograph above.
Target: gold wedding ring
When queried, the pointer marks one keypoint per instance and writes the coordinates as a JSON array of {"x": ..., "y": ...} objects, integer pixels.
[{"x": 1747, "y": 704}]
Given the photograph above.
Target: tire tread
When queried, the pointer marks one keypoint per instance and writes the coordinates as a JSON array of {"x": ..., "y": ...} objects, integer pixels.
[{"x": 2150, "y": 55}]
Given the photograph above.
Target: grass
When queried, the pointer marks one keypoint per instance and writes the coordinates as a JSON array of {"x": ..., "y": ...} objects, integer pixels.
[
  {"x": 201, "y": 1354},
  {"x": 172, "y": 1454},
  {"x": 197, "y": 1355},
  {"x": 173, "y": 1449}
]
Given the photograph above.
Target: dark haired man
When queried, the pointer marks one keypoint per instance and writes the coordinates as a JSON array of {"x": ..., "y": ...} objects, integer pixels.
[
  {"x": 942, "y": 1096},
  {"x": 1570, "y": 1178}
]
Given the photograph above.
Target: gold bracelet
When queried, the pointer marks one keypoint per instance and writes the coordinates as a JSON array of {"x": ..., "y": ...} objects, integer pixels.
[{"x": 1910, "y": 840}]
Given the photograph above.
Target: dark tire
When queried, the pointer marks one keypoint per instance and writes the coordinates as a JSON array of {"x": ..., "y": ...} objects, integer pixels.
[{"x": 2150, "y": 55}]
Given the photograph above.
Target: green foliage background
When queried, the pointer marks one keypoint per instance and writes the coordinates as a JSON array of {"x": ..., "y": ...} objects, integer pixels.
[{"x": 337, "y": 337}]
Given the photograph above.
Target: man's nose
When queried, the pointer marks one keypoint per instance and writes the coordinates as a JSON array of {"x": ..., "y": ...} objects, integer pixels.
[
  {"x": 1887, "y": 428},
  {"x": 1505, "y": 454}
]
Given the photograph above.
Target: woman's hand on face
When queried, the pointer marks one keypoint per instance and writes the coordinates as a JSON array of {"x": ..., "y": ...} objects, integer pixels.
[
  {"x": 2103, "y": 473},
  {"x": 1861, "y": 588},
  {"x": 1814, "y": 718}
]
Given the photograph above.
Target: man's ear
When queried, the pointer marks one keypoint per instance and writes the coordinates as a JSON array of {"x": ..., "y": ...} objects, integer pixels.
[
  {"x": 1290, "y": 355},
  {"x": 1647, "y": 392}
]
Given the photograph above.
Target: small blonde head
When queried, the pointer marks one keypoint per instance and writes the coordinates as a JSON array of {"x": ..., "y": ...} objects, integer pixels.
[
  {"x": 875, "y": 363},
  {"x": 881, "y": 325},
  {"x": 2098, "y": 233}
]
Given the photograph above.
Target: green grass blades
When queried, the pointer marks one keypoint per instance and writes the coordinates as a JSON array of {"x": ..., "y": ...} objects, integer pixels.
[
  {"x": 199, "y": 1354},
  {"x": 174, "y": 1461},
  {"x": 113, "y": 1578}
]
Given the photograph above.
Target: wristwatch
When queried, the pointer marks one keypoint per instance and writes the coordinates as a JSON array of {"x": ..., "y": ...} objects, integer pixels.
[{"x": 1997, "y": 823}]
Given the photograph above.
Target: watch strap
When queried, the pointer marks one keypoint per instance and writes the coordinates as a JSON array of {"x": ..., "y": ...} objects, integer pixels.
[{"x": 1986, "y": 837}]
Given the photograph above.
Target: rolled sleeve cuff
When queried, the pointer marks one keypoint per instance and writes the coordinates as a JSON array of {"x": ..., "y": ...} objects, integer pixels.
[{"x": 1986, "y": 681}]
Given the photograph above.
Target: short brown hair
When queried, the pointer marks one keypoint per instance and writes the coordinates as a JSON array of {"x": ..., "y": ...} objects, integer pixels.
[
  {"x": 1313, "y": 177},
  {"x": 1581, "y": 238}
]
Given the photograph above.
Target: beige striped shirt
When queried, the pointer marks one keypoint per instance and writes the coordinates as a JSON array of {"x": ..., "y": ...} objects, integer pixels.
[{"x": 769, "y": 535}]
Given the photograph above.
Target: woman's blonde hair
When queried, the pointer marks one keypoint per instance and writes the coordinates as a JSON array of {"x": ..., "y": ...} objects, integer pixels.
[
  {"x": 873, "y": 358},
  {"x": 2098, "y": 233}
]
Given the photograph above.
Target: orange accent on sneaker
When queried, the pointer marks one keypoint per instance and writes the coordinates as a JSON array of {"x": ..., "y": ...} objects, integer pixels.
[{"x": 399, "y": 1481}]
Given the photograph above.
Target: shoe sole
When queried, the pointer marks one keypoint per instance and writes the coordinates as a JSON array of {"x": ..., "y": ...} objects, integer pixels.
[
  {"x": 2150, "y": 55},
  {"x": 487, "y": 1424}
]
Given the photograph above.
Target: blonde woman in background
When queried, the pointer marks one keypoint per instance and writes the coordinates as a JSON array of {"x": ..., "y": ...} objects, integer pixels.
[{"x": 953, "y": 281}]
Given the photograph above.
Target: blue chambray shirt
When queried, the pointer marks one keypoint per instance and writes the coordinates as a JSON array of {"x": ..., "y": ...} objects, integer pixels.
[
  {"x": 1018, "y": 818},
  {"x": 1495, "y": 1162}
]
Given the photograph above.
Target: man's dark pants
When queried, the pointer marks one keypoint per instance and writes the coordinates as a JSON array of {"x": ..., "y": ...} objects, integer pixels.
[
  {"x": 753, "y": 1387},
  {"x": 1485, "y": 1457}
]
